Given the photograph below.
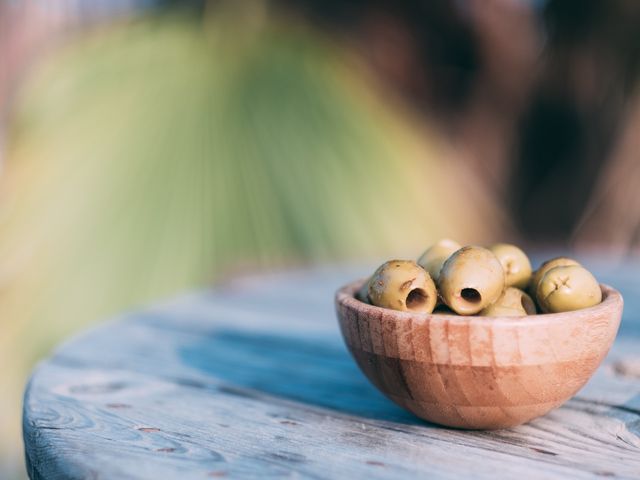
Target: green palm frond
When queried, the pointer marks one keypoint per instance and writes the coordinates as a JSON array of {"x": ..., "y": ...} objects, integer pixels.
[{"x": 150, "y": 157}]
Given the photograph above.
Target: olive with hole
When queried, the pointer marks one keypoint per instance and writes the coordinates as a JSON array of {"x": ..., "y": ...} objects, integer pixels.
[
  {"x": 403, "y": 285},
  {"x": 545, "y": 267},
  {"x": 470, "y": 280},
  {"x": 563, "y": 289},
  {"x": 515, "y": 263},
  {"x": 512, "y": 303},
  {"x": 434, "y": 257}
]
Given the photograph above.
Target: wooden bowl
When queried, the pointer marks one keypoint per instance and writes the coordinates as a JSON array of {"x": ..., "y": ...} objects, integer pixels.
[{"x": 478, "y": 372}]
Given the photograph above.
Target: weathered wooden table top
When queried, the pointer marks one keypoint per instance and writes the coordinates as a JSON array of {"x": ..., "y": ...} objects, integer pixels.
[{"x": 253, "y": 380}]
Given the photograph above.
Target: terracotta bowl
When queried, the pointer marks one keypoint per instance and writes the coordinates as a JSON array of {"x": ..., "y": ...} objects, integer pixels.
[{"x": 478, "y": 372}]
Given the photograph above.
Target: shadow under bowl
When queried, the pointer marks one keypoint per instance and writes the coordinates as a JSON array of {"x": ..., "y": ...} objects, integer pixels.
[{"x": 478, "y": 372}]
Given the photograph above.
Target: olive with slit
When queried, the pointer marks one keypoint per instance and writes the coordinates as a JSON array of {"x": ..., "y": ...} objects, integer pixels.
[
  {"x": 403, "y": 285},
  {"x": 515, "y": 263},
  {"x": 512, "y": 303},
  {"x": 434, "y": 257},
  {"x": 563, "y": 289},
  {"x": 470, "y": 280},
  {"x": 545, "y": 267}
]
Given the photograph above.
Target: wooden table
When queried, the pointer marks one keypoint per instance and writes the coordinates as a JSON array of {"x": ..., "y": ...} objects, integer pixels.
[{"x": 252, "y": 380}]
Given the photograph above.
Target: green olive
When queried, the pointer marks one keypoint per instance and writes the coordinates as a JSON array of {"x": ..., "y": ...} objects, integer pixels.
[
  {"x": 545, "y": 267},
  {"x": 515, "y": 263},
  {"x": 563, "y": 289},
  {"x": 512, "y": 303},
  {"x": 434, "y": 257},
  {"x": 470, "y": 280},
  {"x": 362, "y": 293},
  {"x": 403, "y": 285}
]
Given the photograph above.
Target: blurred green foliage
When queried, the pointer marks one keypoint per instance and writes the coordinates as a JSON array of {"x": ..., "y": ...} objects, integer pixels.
[{"x": 155, "y": 155}]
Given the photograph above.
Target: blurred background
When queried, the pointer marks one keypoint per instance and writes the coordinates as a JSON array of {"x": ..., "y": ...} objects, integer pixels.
[{"x": 148, "y": 147}]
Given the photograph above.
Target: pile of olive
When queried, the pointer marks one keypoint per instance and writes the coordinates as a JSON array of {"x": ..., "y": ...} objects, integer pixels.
[{"x": 486, "y": 281}]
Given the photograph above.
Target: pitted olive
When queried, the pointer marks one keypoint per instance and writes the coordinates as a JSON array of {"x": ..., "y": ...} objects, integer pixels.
[
  {"x": 403, "y": 285},
  {"x": 512, "y": 303},
  {"x": 563, "y": 289},
  {"x": 471, "y": 279},
  {"x": 515, "y": 263},
  {"x": 434, "y": 257},
  {"x": 545, "y": 267}
]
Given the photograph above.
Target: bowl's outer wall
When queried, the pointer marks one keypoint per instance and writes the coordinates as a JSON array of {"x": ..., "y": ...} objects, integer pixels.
[{"x": 475, "y": 372}]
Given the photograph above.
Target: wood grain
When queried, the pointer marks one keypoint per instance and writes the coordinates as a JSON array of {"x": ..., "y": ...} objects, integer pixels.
[
  {"x": 253, "y": 381},
  {"x": 477, "y": 372}
]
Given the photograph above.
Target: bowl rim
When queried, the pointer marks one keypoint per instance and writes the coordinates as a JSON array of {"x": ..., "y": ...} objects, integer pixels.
[{"x": 612, "y": 301}]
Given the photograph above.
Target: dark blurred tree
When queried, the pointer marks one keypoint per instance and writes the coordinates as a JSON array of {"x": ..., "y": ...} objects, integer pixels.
[
  {"x": 426, "y": 50},
  {"x": 536, "y": 93},
  {"x": 576, "y": 113}
]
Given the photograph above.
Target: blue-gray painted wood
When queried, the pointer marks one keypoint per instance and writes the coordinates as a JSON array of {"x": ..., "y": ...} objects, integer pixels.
[{"x": 252, "y": 380}]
